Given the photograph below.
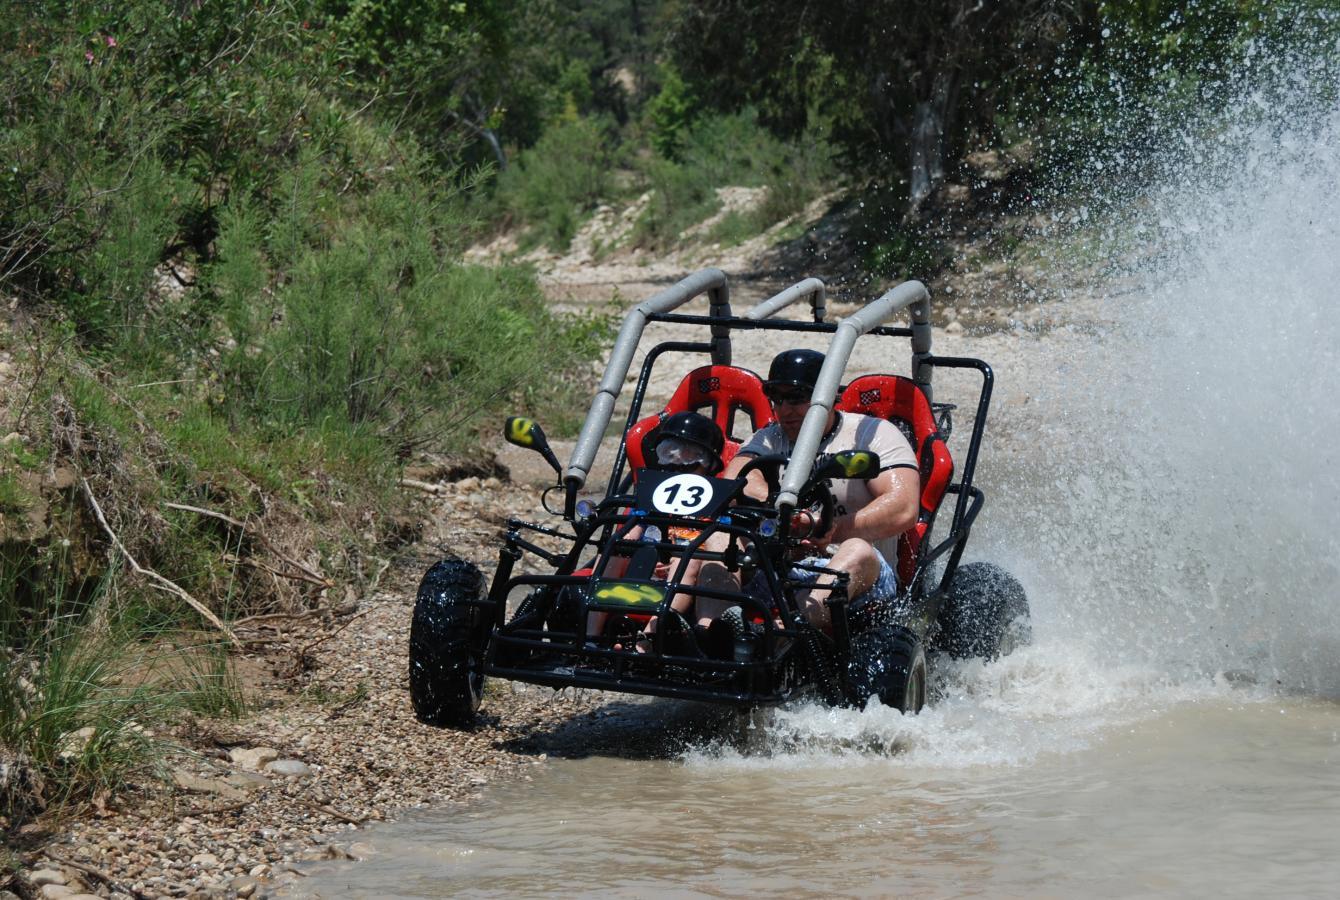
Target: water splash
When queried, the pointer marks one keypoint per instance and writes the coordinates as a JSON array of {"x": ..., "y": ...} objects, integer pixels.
[{"x": 1184, "y": 506}]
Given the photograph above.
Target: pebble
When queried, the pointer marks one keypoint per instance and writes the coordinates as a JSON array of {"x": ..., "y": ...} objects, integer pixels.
[
  {"x": 289, "y": 768},
  {"x": 362, "y": 850},
  {"x": 47, "y": 876},
  {"x": 244, "y": 885},
  {"x": 253, "y": 758},
  {"x": 230, "y": 826},
  {"x": 57, "y": 891},
  {"x": 72, "y": 743}
]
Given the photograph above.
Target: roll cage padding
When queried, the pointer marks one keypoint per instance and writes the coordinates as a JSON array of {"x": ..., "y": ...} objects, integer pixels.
[
  {"x": 901, "y": 402},
  {"x": 717, "y": 392}
]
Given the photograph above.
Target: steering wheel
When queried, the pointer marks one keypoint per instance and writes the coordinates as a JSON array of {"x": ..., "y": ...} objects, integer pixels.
[{"x": 815, "y": 497}]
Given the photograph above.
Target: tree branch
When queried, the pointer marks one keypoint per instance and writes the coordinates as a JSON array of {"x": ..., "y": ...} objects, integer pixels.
[{"x": 155, "y": 580}]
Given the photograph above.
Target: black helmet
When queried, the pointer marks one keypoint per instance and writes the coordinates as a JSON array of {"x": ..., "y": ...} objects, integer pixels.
[
  {"x": 680, "y": 434},
  {"x": 795, "y": 368}
]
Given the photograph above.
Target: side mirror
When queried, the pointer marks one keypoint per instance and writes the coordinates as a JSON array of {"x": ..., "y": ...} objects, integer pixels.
[
  {"x": 527, "y": 433},
  {"x": 847, "y": 464}
]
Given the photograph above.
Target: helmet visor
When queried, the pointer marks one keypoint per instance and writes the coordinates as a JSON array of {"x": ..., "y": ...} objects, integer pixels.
[{"x": 677, "y": 452}]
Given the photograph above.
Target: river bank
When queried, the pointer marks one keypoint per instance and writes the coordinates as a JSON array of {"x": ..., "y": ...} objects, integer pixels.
[{"x": 333, "y": 746}]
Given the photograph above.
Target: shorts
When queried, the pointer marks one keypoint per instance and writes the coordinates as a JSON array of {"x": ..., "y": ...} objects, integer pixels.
[{"x": 884, "y": 588}]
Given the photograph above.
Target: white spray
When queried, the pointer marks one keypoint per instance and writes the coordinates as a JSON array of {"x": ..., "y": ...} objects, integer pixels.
[{"x": 1189, "y": 515}]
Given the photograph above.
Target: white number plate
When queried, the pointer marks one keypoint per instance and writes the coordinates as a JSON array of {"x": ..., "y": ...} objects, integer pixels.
[{"x": 682, "y": 495}]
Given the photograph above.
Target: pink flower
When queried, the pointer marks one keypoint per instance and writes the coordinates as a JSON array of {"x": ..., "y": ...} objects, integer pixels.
[
  {"x": 111, "y": 41},
  {"x": 88, "y": 56}
]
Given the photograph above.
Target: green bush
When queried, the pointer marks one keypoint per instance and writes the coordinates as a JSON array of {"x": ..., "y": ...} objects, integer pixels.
[
  {"x": 670, "y": 115},
  {"x": 552, "y": 186},
  {"x": 83, "y": 686},
  {"x": 732, "y": 150}
]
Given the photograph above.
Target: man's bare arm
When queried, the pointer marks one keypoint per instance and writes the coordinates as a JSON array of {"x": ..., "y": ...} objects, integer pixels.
[
  {"x": 756, "y": 486},
  {"x": 893, "y": 510}
]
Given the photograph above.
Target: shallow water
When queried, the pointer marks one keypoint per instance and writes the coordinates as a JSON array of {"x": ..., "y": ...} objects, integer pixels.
[{"x": 1221, "y": 796}]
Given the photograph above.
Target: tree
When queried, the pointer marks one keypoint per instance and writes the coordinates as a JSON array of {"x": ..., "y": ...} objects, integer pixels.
[{"x": 905, "y": 85}]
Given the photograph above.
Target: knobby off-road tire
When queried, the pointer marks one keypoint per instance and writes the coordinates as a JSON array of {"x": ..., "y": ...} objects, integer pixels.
[
  {"x": 889, "y": 662},
  {"x": 445, "y": 678},
  {"x": 985, "y": 614}
]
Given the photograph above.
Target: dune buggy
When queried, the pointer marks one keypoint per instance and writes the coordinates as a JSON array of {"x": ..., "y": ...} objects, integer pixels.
[{"x": 623, "y": 556}]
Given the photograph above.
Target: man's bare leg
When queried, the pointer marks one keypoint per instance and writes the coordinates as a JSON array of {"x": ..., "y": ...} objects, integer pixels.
[{"x": 861, "y": 563}]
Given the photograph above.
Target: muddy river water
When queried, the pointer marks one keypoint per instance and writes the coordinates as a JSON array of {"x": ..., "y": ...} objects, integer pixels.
[{"x": 1222, "y": 795}]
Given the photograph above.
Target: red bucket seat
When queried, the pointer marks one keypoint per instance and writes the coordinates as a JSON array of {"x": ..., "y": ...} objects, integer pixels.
[
  {"x": 718, "y": 392},
  {"x": 900, "y": 401}
]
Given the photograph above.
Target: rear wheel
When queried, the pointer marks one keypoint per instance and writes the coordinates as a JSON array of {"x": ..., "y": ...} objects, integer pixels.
[
  {"x": 889, "y": 662},
  {"x": 985, "y": 614},
  {"x": 446, "y": 680}
]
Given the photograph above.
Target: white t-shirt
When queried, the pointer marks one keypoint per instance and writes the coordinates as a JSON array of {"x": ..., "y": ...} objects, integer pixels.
[{"x": 851, "y": 431}]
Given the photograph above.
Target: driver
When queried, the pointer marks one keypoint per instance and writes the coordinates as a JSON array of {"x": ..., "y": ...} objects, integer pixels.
[
  {"x": 868, "y": 515},
  {"x": 684, "y": 442}
]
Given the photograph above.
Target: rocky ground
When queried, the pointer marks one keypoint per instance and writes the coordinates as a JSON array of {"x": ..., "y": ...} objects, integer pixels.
[{"x": 333, "y": 747}]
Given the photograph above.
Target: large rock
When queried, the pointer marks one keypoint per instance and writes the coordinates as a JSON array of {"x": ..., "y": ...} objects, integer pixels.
[
  {"x": 244, "y": 885},
  {"x": 203, "y": 784},
  {"x": 253, "y": 758},
  {"x": 247, "y": 781}
]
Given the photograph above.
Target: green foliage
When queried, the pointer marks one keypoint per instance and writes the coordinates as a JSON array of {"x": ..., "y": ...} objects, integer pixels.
[
  {"x": 14, "y": 498},
  {"x": 1142, "y": 74},
  {"x": 122, "y": 125},
  {"x": 194, "y": 194},
  {"x": 670, "y": 115},
  {"x": 82, "y": 686},
  {"x": 901, "y": 255},
  {"x": 209, "y": 683},
  {"x": 732, "y": 150},
  {"x": 903, "y": 87},
  {"x": 243, "y": 233},
  {"x": 551, "y": 186}
]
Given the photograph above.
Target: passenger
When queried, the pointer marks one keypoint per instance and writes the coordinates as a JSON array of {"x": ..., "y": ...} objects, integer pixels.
[
  {"x": 684, "y": 442},
  {"x": 868, "y": 515}
]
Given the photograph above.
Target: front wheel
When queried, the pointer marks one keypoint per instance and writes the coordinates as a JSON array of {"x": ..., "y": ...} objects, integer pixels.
[
  {"x": 889, "y": 662},
  {"x": 985, "y": 614},
  {"x": 446, "y": 680}
]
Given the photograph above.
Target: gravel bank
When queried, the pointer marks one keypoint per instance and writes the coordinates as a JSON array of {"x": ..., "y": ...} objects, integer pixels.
[{"x": 335, "y": 745}]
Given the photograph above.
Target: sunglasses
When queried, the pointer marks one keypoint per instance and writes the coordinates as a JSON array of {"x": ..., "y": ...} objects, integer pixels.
[{"x": 792, "y": 398}]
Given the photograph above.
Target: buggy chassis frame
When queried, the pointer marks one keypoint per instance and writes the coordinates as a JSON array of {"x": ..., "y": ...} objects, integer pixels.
[{"x": 546, "y": 642}]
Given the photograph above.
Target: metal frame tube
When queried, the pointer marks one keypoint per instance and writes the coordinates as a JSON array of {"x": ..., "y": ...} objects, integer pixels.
[
  {"x": 812, "y": 288},
  {"x": 709, "y": 281},
  {"x": 908, "y": 294}
]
